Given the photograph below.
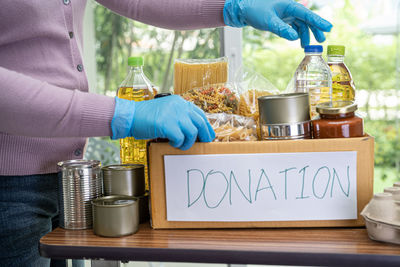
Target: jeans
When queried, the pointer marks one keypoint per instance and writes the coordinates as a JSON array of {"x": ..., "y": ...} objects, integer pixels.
[{"x": 28, "y": 211}]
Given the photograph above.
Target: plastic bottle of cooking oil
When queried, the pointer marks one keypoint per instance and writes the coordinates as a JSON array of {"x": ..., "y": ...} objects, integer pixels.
[
  {"x": 313, "y": 76},
  {"x": 342, "y": 83},
  {"x": 136, "y": 87}
]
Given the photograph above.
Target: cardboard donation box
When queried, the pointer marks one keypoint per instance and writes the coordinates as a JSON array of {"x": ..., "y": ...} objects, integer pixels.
[{"x": 296, "y": 183}]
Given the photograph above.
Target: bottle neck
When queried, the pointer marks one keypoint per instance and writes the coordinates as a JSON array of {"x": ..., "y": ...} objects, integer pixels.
[
  {"x": 136, "y": 77},
  {"x": 136, "y": 69},
  {"x": 313, "y": 53},
  {"x": 335, "y": 58}
]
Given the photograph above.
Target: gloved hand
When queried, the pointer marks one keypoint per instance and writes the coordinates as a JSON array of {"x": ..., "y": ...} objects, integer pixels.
[
  {"x": 276, "y": 16},
  {"x": 169, "y": 117}
]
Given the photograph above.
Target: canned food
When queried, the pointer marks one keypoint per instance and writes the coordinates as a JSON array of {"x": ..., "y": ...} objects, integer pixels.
[
  {"x": 124, "y": 179},
  {"x": 115, "y": 216},
  {"x": 285, "y": 116},
  {"x": 79, "y": 181}
]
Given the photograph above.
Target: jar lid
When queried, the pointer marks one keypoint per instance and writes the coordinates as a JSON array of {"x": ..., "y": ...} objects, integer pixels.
[{"x": 336, "y": 107}]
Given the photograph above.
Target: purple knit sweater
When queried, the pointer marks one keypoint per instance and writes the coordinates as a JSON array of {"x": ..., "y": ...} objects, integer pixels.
[{"x": 46, "y": 111}]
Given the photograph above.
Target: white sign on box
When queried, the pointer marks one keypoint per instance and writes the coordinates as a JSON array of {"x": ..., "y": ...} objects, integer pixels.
[{"x": 261, "y": 187}]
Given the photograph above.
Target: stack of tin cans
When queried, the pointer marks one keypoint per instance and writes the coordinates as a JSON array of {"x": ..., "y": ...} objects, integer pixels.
[
  {"x": 124, "y": 205},
  {"x": 82, "y": 184},
  {"x": 127, "y": 180}
]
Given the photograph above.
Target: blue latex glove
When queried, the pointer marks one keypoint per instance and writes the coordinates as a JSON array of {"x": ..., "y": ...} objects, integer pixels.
[
  {"x": 276, "y": 16},
  {"x": 169, "y": 117}
]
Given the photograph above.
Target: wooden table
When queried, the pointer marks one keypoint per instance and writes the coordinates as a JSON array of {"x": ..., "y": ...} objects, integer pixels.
[{"x": 322, "y": 247}]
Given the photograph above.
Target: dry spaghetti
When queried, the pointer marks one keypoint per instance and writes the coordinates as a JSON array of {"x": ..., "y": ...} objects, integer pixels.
[{"x": 191, "y": 73}]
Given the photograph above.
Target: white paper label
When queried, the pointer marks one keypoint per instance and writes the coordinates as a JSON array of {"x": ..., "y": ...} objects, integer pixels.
[{"x": 261, "y": 187}]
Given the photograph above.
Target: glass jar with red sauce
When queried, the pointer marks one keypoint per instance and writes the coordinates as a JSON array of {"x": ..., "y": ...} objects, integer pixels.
[{"x": 337, "y": 119}]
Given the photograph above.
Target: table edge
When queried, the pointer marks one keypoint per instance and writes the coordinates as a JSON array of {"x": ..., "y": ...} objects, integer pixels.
[{"x": 217, "y": 256}]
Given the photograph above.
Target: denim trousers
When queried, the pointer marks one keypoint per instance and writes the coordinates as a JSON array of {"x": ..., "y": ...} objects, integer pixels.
[{"x": 28, "y": 211}]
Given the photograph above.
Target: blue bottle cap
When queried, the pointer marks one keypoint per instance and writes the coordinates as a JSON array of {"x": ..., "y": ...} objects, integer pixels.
[{"x": 313, "y": 49}]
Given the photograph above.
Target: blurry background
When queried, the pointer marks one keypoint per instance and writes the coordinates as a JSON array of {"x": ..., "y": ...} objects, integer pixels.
[{"x": 368, "y": 28}]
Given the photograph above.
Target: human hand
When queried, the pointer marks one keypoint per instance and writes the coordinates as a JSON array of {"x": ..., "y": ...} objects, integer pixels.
[
  {"x": 169, "y": 117},
  {"x": 285, "y": 18}
]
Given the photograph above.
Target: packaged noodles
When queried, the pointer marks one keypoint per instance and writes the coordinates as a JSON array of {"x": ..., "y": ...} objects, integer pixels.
[
  {"x": 231, "y": 127},
  {"x": 248, "y": 103},
  {"x": 191, "y": 73},
  {"x": 250, "y": 85},
  {"x": 215, "y": 98}
]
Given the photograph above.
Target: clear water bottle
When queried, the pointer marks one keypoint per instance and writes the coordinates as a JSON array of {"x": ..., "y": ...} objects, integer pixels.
[{"x": 314, "y": 76}]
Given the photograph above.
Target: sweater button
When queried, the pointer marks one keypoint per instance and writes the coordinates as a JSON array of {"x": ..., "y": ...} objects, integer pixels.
[
  {"x": 71, "y": 35},
  {"x": 66, "y": 2},
  {"x": 79, "y": 67},
  {"x": 78, "y": 152}
]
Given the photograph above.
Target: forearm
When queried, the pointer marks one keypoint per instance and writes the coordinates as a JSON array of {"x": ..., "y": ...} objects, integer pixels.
[
  {"x": 29, "y": 107},
  {"x": 171, "y": 14}
]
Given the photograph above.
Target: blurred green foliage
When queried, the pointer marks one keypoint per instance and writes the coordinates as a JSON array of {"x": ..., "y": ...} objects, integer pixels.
[
  {"x": 387, "y": 145},
  {"x": 384, "y": 177}
]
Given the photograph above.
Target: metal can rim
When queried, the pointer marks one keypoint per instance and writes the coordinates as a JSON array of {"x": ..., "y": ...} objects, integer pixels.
[
  {"x": 90, "y": 164},
  {"x": 122, "y": 167},
  {"x": 283, "y": 96},
  {"x": 95, "y": 202},
  {"x": 286, "y": 124}
]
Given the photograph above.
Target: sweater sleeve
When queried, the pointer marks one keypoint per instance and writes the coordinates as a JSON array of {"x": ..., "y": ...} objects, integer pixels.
[
  {"x": 29, "y": 107},
  {"x": 171, "y": 14}
]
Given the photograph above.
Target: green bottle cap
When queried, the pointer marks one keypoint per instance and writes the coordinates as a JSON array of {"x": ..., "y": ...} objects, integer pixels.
[
  {"x": 336, "y": 50},
  {"x": 135, "y": 61}
]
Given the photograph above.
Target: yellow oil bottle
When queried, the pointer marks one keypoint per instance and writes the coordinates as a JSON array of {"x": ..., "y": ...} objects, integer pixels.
[
  {"x": 135, "y": 87},
  {"x": 342, "y": 82}
]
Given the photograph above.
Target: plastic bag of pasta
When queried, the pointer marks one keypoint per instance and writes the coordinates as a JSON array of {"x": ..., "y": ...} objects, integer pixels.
[
  {"x": 215, "y": 98},
  {"x": 231, "y": 127},
  {"x": 191, "y": 73},
  {"x": 250, "y": 85}
]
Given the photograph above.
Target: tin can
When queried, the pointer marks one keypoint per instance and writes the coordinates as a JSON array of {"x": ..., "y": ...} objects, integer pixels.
[
  {"x": 124, "y": 179},
  {"x": 285, "y": 116},
  {"x": 79, "y": 182},
  {"x": 115, "y": 216}
]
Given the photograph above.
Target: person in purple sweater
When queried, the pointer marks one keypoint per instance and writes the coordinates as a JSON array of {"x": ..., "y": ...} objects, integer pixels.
[{"x": 47, "y": 111}]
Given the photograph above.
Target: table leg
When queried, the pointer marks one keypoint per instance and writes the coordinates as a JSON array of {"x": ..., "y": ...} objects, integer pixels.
[{"x": 103, "y": 263}]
